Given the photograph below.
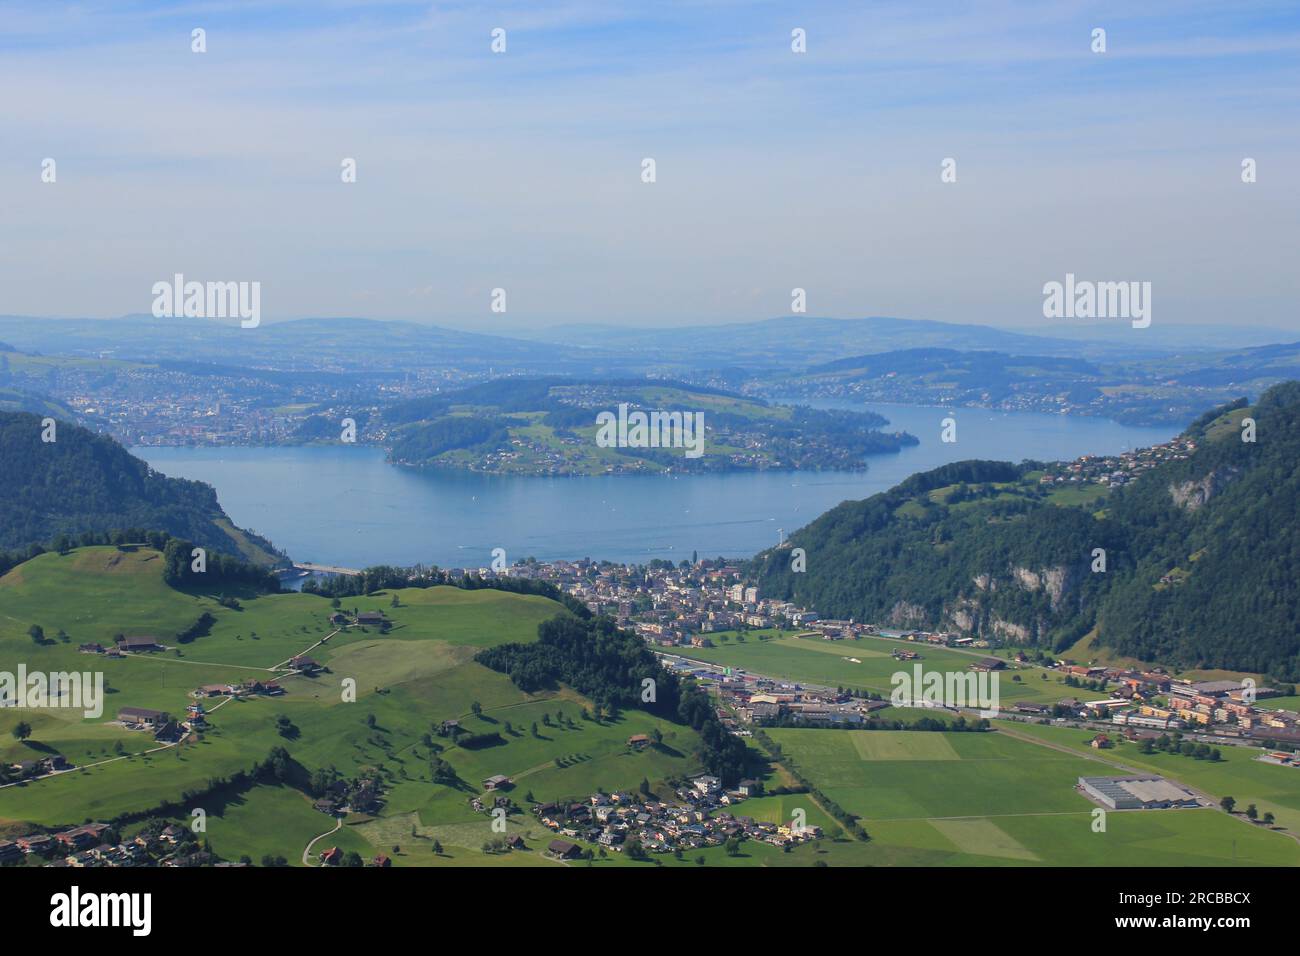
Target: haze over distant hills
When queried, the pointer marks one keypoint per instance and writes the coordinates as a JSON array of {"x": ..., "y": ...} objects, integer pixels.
[
  {"x": 1133, "y": 375},
  {"x": 807, "y": 340},
  {"x": 787, "y": 341}
]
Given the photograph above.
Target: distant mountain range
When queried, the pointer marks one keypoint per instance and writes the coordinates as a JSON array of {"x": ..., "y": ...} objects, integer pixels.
[
  {"x": 800, "y": 341},
  {"x": 1163, "y": 391},
  {"x": 347, "y": 344},
  {"x": 1149, "y": 376},
  {"x": 783, "y": 342},
  {"x": 551, "y": 426}
]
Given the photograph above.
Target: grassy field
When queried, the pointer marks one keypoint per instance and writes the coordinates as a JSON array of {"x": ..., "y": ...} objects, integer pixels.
[
  {"x": 407, "y": 682},
  {"x": 1239, "y": 774},
  {"x": 863, "y": 664},
  {"x": 925, "y": 798},
  {"x": 961, "y": 799}
]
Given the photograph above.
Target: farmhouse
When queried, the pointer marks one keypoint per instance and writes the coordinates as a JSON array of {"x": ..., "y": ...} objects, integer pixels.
[
  {"x": 143, "y": 717},
  {"x": 372, "y": 617},
  {"x": 169, "y": 733},
  {"x": 268, "y": 689},
  {"x": 332, "y": 857},
  {"x": 988, "y": 664},
  {"x": 564, "y": 849},
  {"x": 638, "y": 741},
  {"x": 1137, "y": 793},
  {"x": 496, "y": 782},
  {"x": 139, "y": 644}
]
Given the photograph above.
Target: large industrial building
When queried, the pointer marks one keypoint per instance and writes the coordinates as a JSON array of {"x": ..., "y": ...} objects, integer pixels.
[{"x": 1137, "y": 793}]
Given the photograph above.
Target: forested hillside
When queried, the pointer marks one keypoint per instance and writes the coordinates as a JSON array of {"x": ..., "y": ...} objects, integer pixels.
[
  {"x": 82, "y": 482},
  {"x": 1202, "y": 555}
]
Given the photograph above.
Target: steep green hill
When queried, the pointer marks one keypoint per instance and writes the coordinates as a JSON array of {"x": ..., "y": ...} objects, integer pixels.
[
  {"x": 1201, "y": 552},
  {"x": 83, "y": 482}
]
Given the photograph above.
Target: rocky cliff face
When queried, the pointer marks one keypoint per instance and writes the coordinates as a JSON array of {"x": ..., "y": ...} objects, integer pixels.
[{"x": 1192, "y": 495}]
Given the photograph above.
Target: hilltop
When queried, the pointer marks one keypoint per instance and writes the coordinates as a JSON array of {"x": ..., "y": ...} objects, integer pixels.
[
  {"x": 82, "y": 482},
  {"x": 550, "y": 426}
]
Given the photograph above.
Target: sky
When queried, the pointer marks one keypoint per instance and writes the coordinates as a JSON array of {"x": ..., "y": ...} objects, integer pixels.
[{"x": 774, "y": 170}]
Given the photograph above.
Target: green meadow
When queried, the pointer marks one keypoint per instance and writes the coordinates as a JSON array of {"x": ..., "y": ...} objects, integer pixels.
[
  {"x": 987, "y": 799},
  {"x": 1239, "y": 774},
  {"x": 407, "y": 682},
  {"x": 865, "y": 664}
]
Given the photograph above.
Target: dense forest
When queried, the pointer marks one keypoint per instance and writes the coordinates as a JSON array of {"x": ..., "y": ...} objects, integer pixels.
[
  {"x": 1202, "y": 555},
  {"x": 83, "y": 482}
]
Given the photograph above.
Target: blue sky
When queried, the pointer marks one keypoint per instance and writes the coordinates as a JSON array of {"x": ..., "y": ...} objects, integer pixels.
[{"x": 774, "y": 170}]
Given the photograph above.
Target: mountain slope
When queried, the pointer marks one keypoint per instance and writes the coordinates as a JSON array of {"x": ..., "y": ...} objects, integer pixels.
[
  {"x": 1202, "y": 555},
  {"x": 86, "y": 482}
]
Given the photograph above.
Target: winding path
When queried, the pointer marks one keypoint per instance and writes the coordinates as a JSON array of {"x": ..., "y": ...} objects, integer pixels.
[{"x": 306, "y": 853}]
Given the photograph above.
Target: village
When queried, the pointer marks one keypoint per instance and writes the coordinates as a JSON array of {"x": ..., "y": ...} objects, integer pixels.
[
  {"x": 99, "y": 845},
  {"x": 700, "y": 814},
  {"x": 675, "y": 608},
  {"x": 1116, "y": 470}
]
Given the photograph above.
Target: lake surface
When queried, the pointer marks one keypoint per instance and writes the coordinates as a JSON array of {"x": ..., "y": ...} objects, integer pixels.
[{"x": 346, "y": 506}]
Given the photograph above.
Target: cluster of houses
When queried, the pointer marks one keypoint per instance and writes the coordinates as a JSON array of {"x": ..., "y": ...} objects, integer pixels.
[
  {"x": 336, "y": 857},
  {"x": 95, "y": 845},
  {"x": 157, "y": 722},
  {"x": 666, "y": 605},
  {"x": 699, "y": 816},
  {"x": 362, "y": 795},
  {"x": 1116, "y": 470},
  {"x": 1150, "y": 702},
  {"x": 30, "y": 769},
  {"x": 250, "y": 688}
]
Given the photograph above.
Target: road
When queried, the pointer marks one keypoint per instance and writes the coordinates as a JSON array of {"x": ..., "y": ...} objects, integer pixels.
[{"x": 306, "y": 853}]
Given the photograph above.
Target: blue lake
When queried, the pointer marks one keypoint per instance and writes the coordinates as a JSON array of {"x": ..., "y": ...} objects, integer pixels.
[{"x": 346, "y": 506}]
